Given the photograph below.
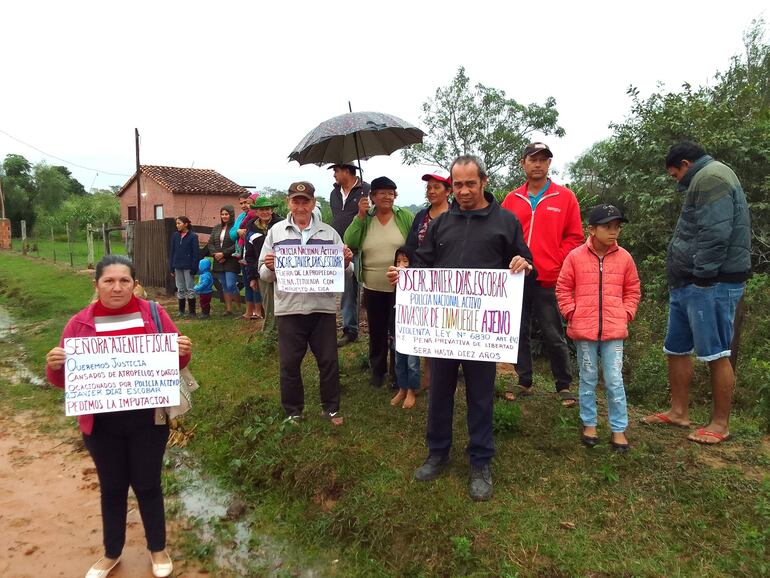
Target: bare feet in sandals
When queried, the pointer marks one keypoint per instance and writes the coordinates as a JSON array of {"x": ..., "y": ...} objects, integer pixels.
[
  {"x": 666, "y": 418},
  {"x": 516, "y": 391},
  {"x": 710, "y": 435},
  {"x": 568, "y": 399}
]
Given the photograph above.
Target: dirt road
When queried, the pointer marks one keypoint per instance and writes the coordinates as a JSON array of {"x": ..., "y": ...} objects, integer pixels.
[{"x": 50, "y": 524}]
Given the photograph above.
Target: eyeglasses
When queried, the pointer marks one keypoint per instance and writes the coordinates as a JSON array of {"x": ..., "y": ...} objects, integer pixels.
[{"x": 386, "y": 193}]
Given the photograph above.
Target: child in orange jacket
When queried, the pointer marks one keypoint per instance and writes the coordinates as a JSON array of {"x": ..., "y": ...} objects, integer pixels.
[{"x": 598, "y": 292}]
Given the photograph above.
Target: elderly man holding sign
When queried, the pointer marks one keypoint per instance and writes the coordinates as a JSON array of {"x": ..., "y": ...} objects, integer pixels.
[
  {"x": 106, "y": 341},
  {"x": 474, "y": 234},
  {"x": 308, "y": 262}
]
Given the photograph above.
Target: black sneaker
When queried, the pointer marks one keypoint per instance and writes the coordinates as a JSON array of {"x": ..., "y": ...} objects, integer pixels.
[
  {"x": 432, "y": 468},
  {"x": 480, "y": 483},
  {"x": 346, "y": 339}
]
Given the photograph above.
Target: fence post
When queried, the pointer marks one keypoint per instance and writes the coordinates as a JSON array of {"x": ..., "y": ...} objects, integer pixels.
[
  {"x": 130, "y": 230},
  {"x": 106, "y": 237},
  {"x": 90, "y": 243},
  {"x": 69, "y": 245},
  {"x": 23, "y": 237},
  {"x": 53, "y": 244}
]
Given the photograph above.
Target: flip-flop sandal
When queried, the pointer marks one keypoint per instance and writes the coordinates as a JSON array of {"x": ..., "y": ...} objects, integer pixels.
[
  {"x": 568, "y": 399},
  {"x": 512, "y": 393},
  {"x": 703, "y": 432},
  {"x": 663, "y": 419}
]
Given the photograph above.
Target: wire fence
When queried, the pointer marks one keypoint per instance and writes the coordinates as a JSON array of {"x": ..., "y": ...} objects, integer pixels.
[{"x": 67, "y": 245}]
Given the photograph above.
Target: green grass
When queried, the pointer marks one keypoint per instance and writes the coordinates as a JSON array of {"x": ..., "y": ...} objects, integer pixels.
[{"x": 668, "y": 508}]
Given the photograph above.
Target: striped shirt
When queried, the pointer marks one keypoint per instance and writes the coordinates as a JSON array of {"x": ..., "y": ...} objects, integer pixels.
[{"x": 126, "y": 320}]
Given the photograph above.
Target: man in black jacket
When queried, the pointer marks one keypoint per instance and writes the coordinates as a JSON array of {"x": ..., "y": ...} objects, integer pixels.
[
  {"x": 474, "y": 234},
  {"x": 348, "y": 190}
]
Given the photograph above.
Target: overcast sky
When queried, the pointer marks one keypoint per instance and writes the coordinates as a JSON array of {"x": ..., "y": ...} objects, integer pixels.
[{"x": 234, "y": 86}]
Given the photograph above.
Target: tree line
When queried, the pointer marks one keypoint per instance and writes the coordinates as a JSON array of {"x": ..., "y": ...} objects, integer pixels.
[{"x": 46, "y": 195}]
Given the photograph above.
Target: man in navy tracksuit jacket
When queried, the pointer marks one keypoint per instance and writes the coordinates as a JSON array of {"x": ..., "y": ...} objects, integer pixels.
[{"x": 475, "y": 234}]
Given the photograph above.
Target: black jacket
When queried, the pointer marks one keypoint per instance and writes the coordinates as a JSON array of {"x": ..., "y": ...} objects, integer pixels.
[
  {"x": 342, "y": 216},
  {"x": 255, "y": 238},
  {"x": 227, "y": 248},
  {"x": 487, "y": 238}
]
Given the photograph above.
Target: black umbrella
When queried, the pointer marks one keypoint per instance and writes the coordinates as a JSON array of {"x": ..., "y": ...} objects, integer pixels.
[{"x": 355, "y": 136}]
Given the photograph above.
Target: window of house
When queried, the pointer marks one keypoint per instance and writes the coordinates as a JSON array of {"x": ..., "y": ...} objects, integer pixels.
[
  {"x": 132, "y": 213},
  {"x": 158, "y": 211}
]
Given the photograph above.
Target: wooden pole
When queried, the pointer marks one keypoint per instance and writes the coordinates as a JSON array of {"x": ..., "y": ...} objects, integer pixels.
[
  {"x": 23, "y": 237},
  {"x": 106, "y": 238},
  {"x": 138, "y": 178},
  {"x": 69, "y": 245},
  {"x": 90, "y": 243},
  {"x": 130, "y": 232}
]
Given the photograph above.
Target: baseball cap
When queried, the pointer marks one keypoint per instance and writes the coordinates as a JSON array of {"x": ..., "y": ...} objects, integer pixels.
[
  {"x": 440, "y": 178},
  {"x": 602, "y": 214},
  {"x": 536, "y": 147},
  {"x": 301, "y": 189}
]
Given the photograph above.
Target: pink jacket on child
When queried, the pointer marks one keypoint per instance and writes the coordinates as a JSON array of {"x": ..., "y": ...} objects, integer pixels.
[{"x": 598, "y": 296}]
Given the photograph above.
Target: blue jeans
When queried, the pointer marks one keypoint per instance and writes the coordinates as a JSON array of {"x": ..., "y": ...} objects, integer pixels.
[
  {"x": 251, "y": 295},
  {"x": 700, "y": 319},
  {"x": 611, "y": 353},
  {"x": 229, "y": 281},
  {"x": 349, "y": 303},
  {"x": 407, "y": 371}
]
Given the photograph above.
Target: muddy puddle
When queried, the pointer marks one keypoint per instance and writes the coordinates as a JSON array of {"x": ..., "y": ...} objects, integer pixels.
[
  {"x": 236, "y": 538},
  {"x": 12, "y": 367}
]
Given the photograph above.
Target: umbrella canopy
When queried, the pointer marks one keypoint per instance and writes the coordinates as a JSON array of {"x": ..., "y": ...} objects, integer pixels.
[{"x": 355, "y": 135}]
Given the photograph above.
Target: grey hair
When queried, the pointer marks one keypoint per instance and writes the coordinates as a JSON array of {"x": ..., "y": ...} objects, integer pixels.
[{"x": 468, "y": 159}]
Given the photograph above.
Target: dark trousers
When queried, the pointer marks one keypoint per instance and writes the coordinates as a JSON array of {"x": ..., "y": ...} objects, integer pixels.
[
  {"x": 540, "y": 302},
  {"x": 349, "y": 303},
  {"x": 205, "y": 299},
  {"x": 127, "y": 448},
  {"x": 295, "y": 333},
  {"x": 479, "y": 396},
  {"x": 380, "y": 314}
]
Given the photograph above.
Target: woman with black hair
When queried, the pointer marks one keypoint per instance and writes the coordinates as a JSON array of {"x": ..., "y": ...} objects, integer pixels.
[{"x": 127, "y": 446}]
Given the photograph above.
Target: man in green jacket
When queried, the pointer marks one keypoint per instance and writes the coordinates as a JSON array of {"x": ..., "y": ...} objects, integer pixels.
[{"x": 708, "y": 262}]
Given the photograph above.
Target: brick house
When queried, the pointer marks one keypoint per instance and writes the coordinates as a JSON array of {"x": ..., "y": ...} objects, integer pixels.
[{"x": 173, "y": 191}]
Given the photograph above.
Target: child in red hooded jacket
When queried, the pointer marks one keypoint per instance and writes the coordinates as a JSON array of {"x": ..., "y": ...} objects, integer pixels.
[{"x": 598, "y": 292}]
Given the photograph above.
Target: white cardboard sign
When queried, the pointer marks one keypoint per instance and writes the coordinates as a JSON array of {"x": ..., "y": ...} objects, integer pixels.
[
  {"x": 310, "y": 268},
  {"x": 463, "y": 314},
  {"x": 119, "y": 373}
]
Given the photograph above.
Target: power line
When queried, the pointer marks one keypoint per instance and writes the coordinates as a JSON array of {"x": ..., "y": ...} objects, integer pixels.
[{"x": 61, "y": 159}]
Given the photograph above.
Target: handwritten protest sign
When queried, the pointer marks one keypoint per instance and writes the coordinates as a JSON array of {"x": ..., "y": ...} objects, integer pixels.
[
  {"x": 122, "y": 372},
  {"x": 310, "y": 268},
  {"x": 459, "y": 313}
]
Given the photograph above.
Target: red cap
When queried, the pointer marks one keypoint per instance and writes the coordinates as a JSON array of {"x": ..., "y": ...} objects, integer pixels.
[{"x": 446, "y": 180}]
